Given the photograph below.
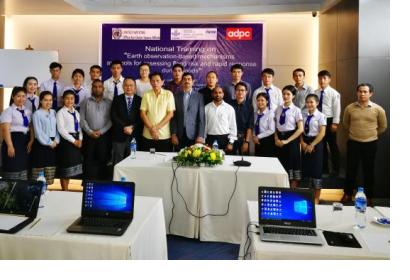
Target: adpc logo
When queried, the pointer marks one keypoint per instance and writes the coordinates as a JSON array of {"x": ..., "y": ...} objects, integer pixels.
[{"x": 238, "y": 34}]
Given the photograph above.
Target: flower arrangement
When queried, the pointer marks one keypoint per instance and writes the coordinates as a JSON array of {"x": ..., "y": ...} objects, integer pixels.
[{"x": 199, "y": 155}]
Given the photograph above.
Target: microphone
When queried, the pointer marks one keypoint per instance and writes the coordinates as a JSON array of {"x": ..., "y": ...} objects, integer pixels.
[{"x": 241, "y": 162}]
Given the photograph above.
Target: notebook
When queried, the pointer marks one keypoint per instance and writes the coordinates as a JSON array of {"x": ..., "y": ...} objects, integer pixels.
[
  {"x": 287, "y": 215},
  {"x": 19, "y": 200},
  {"x": 107, "y": 208}
]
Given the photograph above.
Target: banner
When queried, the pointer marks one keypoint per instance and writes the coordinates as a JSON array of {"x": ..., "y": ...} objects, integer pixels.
[{"x": 199, "y": 47}]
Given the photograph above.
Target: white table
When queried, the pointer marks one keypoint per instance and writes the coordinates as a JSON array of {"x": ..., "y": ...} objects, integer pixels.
[
  {"x": 374, "y": 239},
  {"x": 145, "y": 237},
  {"x": 205, "y": 189}
]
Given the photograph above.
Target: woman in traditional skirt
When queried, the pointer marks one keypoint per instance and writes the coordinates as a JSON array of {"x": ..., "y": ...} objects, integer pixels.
[
  {"x": 314, "y": 124},
  {"x": 69, "y": 158},
  {"x": 46, "y": 139},
  {"x": 18, "y": 136},
  {"x": 264, "y": 127},
  {"x": 289, "y": 126},
  {"x": 30, "y": 84}
]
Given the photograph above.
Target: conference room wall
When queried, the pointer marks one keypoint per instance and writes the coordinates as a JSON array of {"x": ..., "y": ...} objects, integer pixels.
[{"x": 290, "y": 39}]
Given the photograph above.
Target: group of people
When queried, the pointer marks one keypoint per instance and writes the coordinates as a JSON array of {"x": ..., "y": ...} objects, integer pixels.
[{"x": 82, "y": 128}]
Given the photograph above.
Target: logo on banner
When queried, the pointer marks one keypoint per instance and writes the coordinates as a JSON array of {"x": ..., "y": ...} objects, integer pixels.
[
  {"x": 136, "y": 33},
  {"x": 239, "y": 34},
  {"x": 204, "y": 34}
]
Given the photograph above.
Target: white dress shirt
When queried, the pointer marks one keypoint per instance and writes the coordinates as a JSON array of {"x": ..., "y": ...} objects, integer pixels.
[
  {"x": 275, "y": 95},
  {"x": 49, "y": 85},
  {"x": 266, "y": 123},
  {"x": 29, "y": 104},
  {"x": 65, "y": 124},
  {"x": 83, "y": 93},
  {"x": 318, "y": 120},
  {"x": 331, "y": 103},
  {"x": 293, "y": 116},
  {"x": 142, "y": 87},
  {"x": 15, "y": 118},
  {"x": 220, "y": 120},
  {"x": 109, "y": 87},
  {"x": 304, "y": 91}
]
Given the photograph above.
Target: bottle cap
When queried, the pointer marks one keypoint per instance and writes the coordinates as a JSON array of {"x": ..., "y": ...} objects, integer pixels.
[{"x": 360, "y": 189}]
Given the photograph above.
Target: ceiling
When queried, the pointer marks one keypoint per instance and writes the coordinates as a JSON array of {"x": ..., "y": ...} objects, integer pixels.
[{"x": 161, "y": 7}]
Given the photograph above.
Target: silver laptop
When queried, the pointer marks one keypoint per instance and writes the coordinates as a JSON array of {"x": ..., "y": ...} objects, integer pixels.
[{"x": 287, "y": 215}]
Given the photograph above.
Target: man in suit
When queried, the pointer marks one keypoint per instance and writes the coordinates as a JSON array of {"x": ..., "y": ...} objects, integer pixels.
[
  {"x": 126, "y": 121},
  {"x": 188, "y": 123}
]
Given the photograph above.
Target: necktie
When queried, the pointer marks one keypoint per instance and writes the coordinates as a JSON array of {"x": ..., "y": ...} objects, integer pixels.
[
  {"x": 33, "y": 105},
  {"x": 268, "y": 100},
  {"x": 116, "y": 89},
  {"x": 282, "y": 118},
  {"x": 257, "y": 127},
  {"x": 77, "y": 96},
  {"x": 75, "y": 120},
  {"x": 307, "y": 128},
  {"x": 129, "y": 104},
  {"x": 319, "y": 107},
  {"x": 25, "y": 119},
  {"x": 55, "y": 95}
]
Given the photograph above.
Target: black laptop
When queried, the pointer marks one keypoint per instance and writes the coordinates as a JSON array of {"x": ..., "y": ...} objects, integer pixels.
[
  {"x": 288, "y": 215},
  {"x": 107, "y": 208},
  {"x": 19, "y": 200}
]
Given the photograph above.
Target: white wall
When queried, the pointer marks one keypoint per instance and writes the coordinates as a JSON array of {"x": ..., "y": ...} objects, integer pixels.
[{"x": 291, "y": 40}]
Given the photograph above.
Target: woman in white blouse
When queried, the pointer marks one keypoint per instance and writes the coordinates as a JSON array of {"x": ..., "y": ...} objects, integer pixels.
[
  {"x": 264, "y": 127},
  {"x": 69, "y": 158},
  {"x": 18, "y": 136}
]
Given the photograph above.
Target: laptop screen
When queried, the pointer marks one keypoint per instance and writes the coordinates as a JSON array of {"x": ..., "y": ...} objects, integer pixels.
[
  {"x": 19, "y": 197},
  {"x": 114, "y": 199},
  {"x": 284, "y": 206}
]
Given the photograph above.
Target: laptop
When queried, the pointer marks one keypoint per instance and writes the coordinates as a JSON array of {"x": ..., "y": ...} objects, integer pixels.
[
  {"x": 19, "y": 200},
  {"x": 107, "y": 208},
  {"x": 287, "y": 215}
]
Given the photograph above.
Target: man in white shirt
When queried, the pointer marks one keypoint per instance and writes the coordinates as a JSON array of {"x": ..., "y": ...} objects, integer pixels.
[
  {"x": 220, "y": 122},
  {"x": 113, "y": 86},
  {"x": 274, "y": 93},
  {"x": 95, "y": 74},
  {"x": 304, "y": 90},
  {"x": 329, "y": 105},
  {"x": 54, "y": 85}
]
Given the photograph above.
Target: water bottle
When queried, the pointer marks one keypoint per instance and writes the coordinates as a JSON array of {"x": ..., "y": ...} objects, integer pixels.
[
  {"x": 133, "y": 147},
  {"x": 123, "y": 179},
  {"x": 215, "y": 145},
  {"x": 360, "y": 202},
  {"x": 41, "y": 178}
]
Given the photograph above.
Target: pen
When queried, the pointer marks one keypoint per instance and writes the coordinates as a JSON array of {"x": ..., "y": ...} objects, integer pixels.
[{"x": 35, "y": 223}]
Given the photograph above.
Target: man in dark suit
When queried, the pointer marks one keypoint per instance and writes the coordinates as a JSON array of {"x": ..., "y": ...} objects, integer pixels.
[
  {"x": 126, "y": 121},
  {"x": 188, "y": 123}
]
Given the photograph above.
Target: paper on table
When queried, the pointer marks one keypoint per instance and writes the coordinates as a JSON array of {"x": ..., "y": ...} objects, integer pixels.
[
  {"x": 8, "y": 222},
  {"x": 377, "y": 242}
]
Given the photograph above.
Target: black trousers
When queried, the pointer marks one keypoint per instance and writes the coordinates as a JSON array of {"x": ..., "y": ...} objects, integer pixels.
[
  {"x": 222, "y": 140},
  {"x": 159, "y": 145},
  {"x": 97, "y": 153},
  {"x": 184, "y": 141},
  {"x": 330, "y": 142},
  {"x": 363, "y": 153}
]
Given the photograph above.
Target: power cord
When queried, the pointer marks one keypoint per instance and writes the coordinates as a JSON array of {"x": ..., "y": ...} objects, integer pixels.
[
  {"x": 247, "y": 246},
  {"x": 186, "y": 204}
]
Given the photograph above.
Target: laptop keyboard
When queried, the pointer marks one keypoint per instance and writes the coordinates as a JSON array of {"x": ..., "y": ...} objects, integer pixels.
[
  {"x": 101, "y": 222},
  {"x": 290, "y": 231}
]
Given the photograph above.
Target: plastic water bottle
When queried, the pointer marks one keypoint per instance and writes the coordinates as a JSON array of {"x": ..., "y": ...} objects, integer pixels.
[
  {"x": 123, "y": 179},
  {"x": 215, "y": 145},
  {"x": 360, "y": 205},
  {"x": 41, "y": 178},
  {"x": 133, "y": 147}
]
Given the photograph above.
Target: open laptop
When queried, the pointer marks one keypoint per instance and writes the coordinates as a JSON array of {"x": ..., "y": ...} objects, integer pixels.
[
  {"x": 19, "y": 200},
  {"x": 287, "y": 215},
  {"x": 107, "y": 208}
]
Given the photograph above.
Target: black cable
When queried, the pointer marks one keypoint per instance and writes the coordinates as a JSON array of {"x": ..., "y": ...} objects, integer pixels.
[
  {"x": 172, "y": 197},
  {"x": 209, "y": 214},
  {"x": 248, "y": 238}
]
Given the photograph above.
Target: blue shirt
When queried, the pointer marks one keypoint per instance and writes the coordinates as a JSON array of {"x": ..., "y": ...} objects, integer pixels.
[{"x": 45, "y": 126}]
